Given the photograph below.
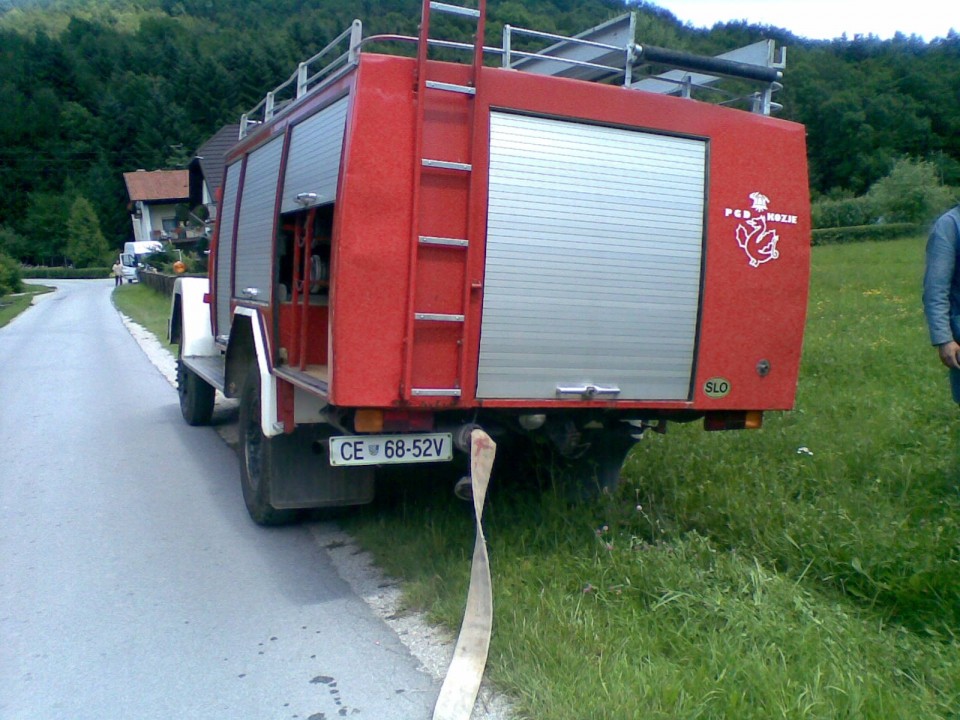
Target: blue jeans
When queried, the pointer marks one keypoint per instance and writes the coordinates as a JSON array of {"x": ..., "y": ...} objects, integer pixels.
[{"x": 955, "y": 384}]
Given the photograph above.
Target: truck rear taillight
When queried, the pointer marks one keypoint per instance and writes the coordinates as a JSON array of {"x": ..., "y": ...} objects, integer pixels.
[
  {"x": 752, "y": 420},
  {"x": 373, "y": 420},
  {"x": 368, "y": 421}
]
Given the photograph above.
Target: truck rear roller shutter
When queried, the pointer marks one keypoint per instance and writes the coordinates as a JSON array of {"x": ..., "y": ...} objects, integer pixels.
[{"x": 593, "y": 262}]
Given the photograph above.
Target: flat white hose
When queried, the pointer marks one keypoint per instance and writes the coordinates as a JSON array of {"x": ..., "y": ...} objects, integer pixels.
[{"x": 458, "y": 694}]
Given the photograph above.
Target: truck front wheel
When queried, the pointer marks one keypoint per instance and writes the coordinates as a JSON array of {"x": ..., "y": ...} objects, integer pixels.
[{"x": 258, "y": 464}]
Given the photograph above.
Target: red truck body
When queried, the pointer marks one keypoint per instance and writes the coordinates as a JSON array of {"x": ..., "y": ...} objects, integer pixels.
[
  {"x": 748, "y": 312},
  {"x": 503, "y": 245}
]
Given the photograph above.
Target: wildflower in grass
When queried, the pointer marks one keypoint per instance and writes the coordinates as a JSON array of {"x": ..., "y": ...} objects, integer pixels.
[{"x": 587, "y": 589}]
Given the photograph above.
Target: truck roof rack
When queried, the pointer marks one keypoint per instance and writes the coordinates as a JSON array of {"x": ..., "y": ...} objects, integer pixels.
[
  {"x": 609, "y": 52},
  {"x": 606, "y": 53}
]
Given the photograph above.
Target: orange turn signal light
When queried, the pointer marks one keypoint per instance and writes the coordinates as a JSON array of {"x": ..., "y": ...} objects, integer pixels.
[
  {"x": 368, "y": 420},
  {"x": 754, "y": 420}
]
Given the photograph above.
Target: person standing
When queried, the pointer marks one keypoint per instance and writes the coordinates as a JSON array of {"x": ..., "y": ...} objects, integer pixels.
[
  {"x": 941, "y": 293},
  {"x": 117, "y": 273}
]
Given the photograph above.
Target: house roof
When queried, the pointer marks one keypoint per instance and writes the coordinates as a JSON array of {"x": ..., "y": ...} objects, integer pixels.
[
  {"x": 212, "y": 155},
  {"x": 157, "y": 185}
]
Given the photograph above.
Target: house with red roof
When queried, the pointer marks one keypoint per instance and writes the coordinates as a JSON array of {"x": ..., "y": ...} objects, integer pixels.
[{"x": 154, "y": 197}]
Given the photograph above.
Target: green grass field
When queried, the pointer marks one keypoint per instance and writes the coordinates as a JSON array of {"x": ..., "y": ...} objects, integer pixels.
[
  {"x": 810, "y": 569},
  {"x": 148, "y": 307},
  {"x": 13, "y": 305},
  {"x": 736, "y": 575}
]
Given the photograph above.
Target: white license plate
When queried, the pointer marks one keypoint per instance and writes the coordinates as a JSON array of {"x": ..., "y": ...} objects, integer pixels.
[{"x": 391, "y": 449}]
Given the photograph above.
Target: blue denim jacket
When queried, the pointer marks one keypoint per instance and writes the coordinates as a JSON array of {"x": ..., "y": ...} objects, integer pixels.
[{"x": 941, "y": 281}]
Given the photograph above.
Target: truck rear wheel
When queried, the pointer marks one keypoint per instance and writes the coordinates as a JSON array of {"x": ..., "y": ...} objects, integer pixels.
[
  {"x": 258, "y": 460},
  {"x": 197, "y": 396},
  {"x": 596, "y": 472}
]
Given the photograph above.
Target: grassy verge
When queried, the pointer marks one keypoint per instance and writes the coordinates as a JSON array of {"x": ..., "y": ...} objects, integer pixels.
[
  {"x": 807, "y": 570},
  {"x": 147, "y": 307},
  {"x": 13, "y": 305}
]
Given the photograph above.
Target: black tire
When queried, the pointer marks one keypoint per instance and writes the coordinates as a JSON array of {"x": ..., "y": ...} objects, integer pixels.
[
  {"x": 604, "y": 462},
  {"x": 257, "y": 462},
  {"x": 196, "y": 395},
  {"x": 596, "y": 472}
]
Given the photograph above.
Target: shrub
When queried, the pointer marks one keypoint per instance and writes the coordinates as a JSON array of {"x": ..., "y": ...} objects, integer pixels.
[
  {"x": 910, "y": 193},
  {"x": 65, "y": 273},
  {"x": 863, "y": 233},
  {"x": 846, "y": 212},
  {"x": 163, "y": 261},
  {"x": 9, "y": 275}
]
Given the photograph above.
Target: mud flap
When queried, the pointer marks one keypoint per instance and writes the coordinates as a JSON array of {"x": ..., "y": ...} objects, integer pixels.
[
  {"x": 459, "y": 690},
  {"x": 303, "y": 477}
]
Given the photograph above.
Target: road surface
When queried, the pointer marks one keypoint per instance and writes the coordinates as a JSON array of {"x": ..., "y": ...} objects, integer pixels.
[{"x": 133, "y": 584}]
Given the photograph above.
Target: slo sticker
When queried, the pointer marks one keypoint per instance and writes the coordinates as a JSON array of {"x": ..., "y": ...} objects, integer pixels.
[{"x": 716, "y": 387}]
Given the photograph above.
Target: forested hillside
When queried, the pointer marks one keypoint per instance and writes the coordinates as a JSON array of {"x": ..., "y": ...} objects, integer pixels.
[{"x": 92, "y": 89}]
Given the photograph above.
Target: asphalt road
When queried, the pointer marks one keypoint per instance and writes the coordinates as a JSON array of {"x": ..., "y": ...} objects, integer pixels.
[{"x": 133, "y": 584}]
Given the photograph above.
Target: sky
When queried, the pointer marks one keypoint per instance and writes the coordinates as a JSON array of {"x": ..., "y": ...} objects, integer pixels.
[{"x": 826, "y": 19}]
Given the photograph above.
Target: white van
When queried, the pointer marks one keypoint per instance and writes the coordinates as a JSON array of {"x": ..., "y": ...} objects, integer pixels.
[{"x": 133, "y": 255}]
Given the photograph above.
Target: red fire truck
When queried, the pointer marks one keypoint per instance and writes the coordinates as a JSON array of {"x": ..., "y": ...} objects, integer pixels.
[{"x": 567, "y": 243}]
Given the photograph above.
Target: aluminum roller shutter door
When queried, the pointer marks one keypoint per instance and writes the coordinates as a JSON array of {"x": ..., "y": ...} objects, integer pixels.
[
  {"x": 227, "y": 215},
  {"x": 313, "y": 162},
  {"x": 593, "y": 260},
  {"x": 256, "y": 222}
]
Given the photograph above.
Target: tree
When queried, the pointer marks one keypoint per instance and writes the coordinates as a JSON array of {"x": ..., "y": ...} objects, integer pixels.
[
  {"x": 13, "y": 244},
  {"x": 89, "y": 92},
  {"x": 9, "y": 275},
  {"x": 46, "y": 217},
  {"x": 86, "y": 246},
  {"x": 910, "y": 193}
]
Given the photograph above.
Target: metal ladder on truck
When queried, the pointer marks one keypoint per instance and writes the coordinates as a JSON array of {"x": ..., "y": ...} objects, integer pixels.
[{"x": 435, "y": 336}]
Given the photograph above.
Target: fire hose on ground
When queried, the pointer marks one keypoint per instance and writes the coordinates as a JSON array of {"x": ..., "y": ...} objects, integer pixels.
[{"x": 458, "y": 694}]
